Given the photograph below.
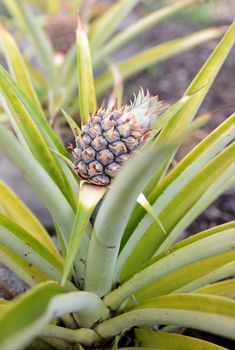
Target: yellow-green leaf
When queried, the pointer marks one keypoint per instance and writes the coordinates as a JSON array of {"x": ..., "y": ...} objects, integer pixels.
[
  {"x": 155, "y": 55},
  {"x": 168, "y": 341},
  {"x": 17, "y": 66},
  {"x": 87, "y": 97},
  {"x": 16, "y": 210}
]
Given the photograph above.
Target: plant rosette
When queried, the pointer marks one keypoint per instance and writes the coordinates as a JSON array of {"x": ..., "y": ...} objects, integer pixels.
[{"x": 122, "y": 270}]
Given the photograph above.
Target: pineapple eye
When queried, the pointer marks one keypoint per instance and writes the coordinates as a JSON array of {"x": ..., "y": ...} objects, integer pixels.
[
  {"x": 112, "y": 135},
  {"x": 122, "y": 158},
  {"x": 99, "y": 143},
  {"x": 105, "y": 156},
  {"x": 95, "y": 168},
  {"x": 86, "y": 139},
  {"x": 118, "y": 148},
  {"x": 81, "y": 168},
  {"x": 88, "y": 154},
  {"x": 101, "y": 180},
  {"x": 77, "y": 153},
  {"x": 112, "y": 169},
  {"x": 131, "y": 143}
]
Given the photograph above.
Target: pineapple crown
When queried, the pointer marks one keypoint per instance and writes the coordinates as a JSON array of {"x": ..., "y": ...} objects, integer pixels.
[
  {"x": 145, "y": 108},
  {"x": 143, "y": 111},
  {"x": 112, "y": 135}
]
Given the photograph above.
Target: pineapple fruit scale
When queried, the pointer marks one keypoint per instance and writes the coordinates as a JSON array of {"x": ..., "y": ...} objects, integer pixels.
[{"x": 111, "y": 136}]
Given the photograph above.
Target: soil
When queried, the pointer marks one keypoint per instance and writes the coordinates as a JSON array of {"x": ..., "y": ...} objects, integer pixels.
[{"x": 10, "y": 284}]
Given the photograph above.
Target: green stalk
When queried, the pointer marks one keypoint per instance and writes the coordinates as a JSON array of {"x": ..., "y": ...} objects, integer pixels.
[
  {"x": 83, "y": 336},
  {"x": 89, "y": 196},
  {"x": 89, "y": 308}
]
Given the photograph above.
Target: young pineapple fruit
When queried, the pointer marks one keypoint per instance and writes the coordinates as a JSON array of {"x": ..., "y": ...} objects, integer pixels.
[
  {"x": 111, "y": 136},
  {"x": 61, "y": 30}
]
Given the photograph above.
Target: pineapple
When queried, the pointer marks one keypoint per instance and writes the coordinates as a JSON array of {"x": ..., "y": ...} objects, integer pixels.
[
  {"x": 111, "y": 136},
  {"x": 61, "y": 30}
]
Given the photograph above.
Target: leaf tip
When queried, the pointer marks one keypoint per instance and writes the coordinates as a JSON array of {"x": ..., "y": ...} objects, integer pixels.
[{"x": 80, "y": 27}]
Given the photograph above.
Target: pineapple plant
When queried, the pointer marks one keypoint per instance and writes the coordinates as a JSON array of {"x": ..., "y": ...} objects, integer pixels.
[{"x": 123, "y": 273}]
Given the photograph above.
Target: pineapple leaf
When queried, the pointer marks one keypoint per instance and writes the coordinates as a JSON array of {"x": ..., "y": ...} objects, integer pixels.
[
  {"x": 166, "y": 117},
  {"x": 15, "y": 12},
  {"x": 87, "y": 97},
  {"x": 31, "y": 136},
  {"x": 204, "y": 312},
  {"x": 17, "y": 66},
  {"x": 21, "y": 11},
  {"x": 190, "y": 240},
  {"x": 198, "y": 90},
  {"x": 155, "y": 55},
  {"x": 65, "y": 159},
  {"x": 52, "y": 7},
  {"x": 224, "y": 288},
  {"x": 219, "y": 242},
  {"x": 140, "y": 26},
  {"x": 149, "y": 209},
  {"x": 25, "y": 271},
  {"x": 40, "y": 181},
  {"x": 135, "y": 348},
  {"x": 167, "y": 341},
  {"x": 109, "y": 226},
  {"x": 188, "y": 167},
  {"x": 31, "y": 305},
  {"x": 72, "y": 124},
  {"x": 194, "y": 196},
  {"x": 118, "y": 88},
  {"x": 190, "y": 277},
  {"x": 16, "y": 210},
  {"x": 69, "y": 66},
  {"x": 37, "y": 117},
  {"x": 105, "y": 25},
  {"x": 36, "y": 308},
  {"x": 25, "y": 245}
]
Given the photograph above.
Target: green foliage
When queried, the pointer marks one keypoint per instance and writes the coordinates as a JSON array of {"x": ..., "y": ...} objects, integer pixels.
[
  {"x": 58, "y": 83},
  {"x": 121, "y": 270}
]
